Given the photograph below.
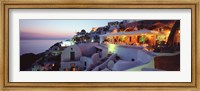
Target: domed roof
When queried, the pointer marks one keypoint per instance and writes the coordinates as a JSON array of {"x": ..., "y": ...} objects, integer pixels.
[{"x": 83, "y": 31}]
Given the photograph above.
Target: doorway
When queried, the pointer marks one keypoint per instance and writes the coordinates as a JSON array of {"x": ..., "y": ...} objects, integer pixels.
[{"x": 72, "y": 56}]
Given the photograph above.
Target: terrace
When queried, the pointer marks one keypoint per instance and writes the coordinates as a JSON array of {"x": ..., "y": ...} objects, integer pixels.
[
  {"x": 141, "y": 50},
  {"x": 150, "y": 40}
]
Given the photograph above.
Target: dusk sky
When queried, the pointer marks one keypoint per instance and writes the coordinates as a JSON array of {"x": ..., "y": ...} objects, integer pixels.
[{"x": 56, "y": 29}]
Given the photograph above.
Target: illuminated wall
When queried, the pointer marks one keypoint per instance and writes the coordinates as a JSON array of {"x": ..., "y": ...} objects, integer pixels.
[{"x": 112, "y": 48}]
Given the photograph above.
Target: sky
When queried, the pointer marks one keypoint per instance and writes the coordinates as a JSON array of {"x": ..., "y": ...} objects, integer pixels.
[{"x": 56, "y": 29}]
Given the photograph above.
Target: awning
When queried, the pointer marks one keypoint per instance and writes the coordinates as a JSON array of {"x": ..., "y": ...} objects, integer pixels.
[{"x": 131, "y": 33}]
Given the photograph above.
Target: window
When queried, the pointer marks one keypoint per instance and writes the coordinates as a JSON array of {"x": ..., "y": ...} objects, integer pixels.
[{"x": 132, "y": 59}]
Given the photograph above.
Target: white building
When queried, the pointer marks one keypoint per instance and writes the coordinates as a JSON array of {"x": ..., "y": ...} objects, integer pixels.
[
  {"x": 134, "y": 56},
  {"x": 66, "y": 43},
  {"x": 70, "y": 56},
  {"x": 82, "y": 56}
]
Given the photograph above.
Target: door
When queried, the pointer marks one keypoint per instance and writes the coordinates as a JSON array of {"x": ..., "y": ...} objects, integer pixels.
[{"x": 72, "y": 56}]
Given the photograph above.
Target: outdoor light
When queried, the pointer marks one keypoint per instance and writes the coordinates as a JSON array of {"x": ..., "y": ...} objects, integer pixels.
[
  {"x": 72, "y": 43},
  {"x": 123, "y": 38},
  {"x": 142, "y": 39},
  {"x": 111, "y": 48},
  {"x": 92, "y": 40}
]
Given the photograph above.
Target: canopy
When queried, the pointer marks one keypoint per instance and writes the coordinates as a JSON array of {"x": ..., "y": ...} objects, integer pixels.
[{"x": 130, "y": 33}]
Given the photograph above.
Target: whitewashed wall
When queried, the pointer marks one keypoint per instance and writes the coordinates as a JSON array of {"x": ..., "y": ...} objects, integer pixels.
[
  {"x": 65, "y": 56},
  {"x": 87, "y": 49},
  {"x": 127, "y": 53}
]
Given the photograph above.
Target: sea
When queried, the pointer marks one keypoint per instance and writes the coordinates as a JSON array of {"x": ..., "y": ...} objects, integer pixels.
[{"x": 36, "y": 46}]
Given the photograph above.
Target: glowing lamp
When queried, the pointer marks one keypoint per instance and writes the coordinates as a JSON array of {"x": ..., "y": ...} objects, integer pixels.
[
  {"x": 111, "y": 48},
  {"x": 92, "y": 40}
]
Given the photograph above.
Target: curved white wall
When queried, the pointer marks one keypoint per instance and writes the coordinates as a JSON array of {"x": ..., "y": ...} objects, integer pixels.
[{"x": 126, "y": 53}]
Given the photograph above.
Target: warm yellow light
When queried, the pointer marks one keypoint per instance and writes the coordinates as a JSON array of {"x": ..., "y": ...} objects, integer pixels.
[
  {"x": 94, "y": 29},
  {"x": 114, "y": 31},
  {"x": 168, "y": 32},
  {"x": 111, "y": 48}
]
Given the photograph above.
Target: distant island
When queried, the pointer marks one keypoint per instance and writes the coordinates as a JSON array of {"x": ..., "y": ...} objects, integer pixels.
[{"x": 129, "y": 45}]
